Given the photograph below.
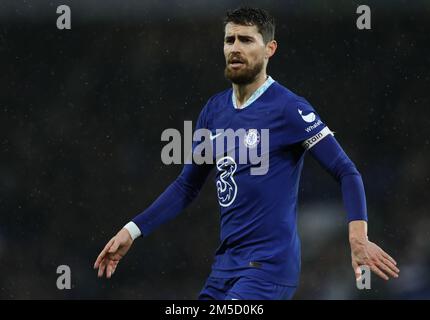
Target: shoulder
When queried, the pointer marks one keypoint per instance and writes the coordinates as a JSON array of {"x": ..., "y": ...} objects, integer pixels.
[
  {"x": 299, "y": 114},
  {"x": 218, "y": 100},
  {"x": 291, "y": 102}
]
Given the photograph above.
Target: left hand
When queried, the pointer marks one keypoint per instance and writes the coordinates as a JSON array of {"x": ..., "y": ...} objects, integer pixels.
[{"x": 367, "y": 253}]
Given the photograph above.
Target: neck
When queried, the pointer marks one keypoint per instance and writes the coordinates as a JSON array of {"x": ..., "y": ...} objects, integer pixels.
[{"x": 244, "y": 91}]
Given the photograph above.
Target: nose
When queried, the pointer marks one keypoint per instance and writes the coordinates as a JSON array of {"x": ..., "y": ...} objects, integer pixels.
[{"x": 235, "y": 47}]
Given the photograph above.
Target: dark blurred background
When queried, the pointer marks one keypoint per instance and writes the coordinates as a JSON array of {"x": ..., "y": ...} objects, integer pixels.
[{"x": 82, "y": 112}]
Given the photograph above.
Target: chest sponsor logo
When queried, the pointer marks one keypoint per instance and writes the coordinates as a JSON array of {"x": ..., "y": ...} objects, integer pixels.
[{"x": 225, "y": 184}]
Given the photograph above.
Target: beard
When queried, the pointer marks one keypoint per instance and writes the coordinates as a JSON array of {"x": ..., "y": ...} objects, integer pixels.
[{"x": 244, "y": 75}]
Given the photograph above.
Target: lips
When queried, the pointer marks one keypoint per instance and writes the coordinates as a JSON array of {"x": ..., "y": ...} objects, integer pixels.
[
  {"x": 236, "y": 63},
  {"x": 236, "y": 60}
]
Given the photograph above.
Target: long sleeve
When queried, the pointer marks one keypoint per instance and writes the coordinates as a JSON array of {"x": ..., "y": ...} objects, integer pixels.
[
  {"x": 177, "y": 196},
  {"x": 332, "y": 158}
]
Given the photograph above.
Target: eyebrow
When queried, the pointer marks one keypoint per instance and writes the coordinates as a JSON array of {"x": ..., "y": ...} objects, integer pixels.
[{"x": 241, "y": 37}]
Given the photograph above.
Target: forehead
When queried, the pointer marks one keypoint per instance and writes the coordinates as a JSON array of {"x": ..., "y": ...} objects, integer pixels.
[{"x": 232, "y": 29}]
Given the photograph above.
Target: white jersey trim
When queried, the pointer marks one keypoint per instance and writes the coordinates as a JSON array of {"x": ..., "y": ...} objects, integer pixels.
[
  {"x": 257, "y": 93},
  {"x": 133, "y": 229}
]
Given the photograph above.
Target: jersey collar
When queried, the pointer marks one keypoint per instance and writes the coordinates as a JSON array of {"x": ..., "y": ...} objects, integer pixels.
[{"x": 257, "y": 93}]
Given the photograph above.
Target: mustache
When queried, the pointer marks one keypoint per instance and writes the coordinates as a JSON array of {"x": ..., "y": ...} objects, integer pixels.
[{"x": 236, "y": 58}]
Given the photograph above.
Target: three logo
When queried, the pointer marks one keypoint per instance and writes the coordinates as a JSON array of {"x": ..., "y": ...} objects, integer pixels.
[{"x": 225, "y": 184}]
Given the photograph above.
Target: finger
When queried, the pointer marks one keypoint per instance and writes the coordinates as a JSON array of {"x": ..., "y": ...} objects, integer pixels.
[
  {"x": 114, "y": 268},
  {"x": 100, "y": 271},
  {"x": 391, "y": 265},
  {"x": 102, "y": 267},
  {"x": 114, "y": 247},
  {"x": 103, "y": 253},
  {"x": 114, "y": 265},
  {"x": 381, "y": 265},
  {"x": 357, "y": 271},
  {"x": 387, "y": 256},
  {"x": 109, "y": 269},
  {"x": 376, "y": 270}
]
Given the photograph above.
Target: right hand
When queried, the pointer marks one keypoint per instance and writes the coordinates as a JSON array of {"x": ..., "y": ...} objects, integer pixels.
[{"x": 113, "y": 252}]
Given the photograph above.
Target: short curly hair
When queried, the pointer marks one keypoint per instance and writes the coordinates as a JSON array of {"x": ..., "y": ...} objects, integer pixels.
[{"x": 247, "y": 16}]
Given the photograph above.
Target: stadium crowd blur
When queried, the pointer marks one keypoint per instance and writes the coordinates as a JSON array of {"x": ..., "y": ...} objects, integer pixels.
[{"x": 82, "y": 112}]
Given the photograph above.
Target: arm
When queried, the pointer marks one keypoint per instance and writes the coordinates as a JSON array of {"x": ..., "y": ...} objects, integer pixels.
[
  {"x": 169, "y": 204},
  {"x": 332, "y": 158},
  {"x": 173, "y": 200}
]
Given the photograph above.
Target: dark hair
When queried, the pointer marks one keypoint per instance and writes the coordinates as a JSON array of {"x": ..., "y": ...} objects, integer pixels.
[{"x": 260, "y": 18}]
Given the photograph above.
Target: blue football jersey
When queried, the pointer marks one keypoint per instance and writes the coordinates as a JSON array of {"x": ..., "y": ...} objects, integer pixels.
[
  {"x": 258, "y": 212},
  {"x": 257, "y": 200}
]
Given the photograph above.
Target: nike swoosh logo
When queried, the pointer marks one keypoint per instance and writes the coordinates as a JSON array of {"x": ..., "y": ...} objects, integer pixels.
[{"x": 214, "y": 137}]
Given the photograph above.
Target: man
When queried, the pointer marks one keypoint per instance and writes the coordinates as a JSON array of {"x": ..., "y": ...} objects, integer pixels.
[{"x": 259, "y": 254}]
